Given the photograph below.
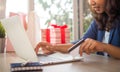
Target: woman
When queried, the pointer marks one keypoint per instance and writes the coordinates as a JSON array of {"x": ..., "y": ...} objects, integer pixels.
[{"x": 103, "y": 35}]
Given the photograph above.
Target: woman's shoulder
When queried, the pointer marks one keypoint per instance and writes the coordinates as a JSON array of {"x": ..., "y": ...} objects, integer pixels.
[{"x": 94, "y": 24}]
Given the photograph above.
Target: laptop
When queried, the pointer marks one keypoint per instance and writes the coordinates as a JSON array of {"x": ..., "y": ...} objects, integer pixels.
[{"x": 23, "y": 47}]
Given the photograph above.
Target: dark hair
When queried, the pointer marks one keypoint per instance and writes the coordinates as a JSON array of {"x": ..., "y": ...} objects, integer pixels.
[{"x": 106, "y": 19}]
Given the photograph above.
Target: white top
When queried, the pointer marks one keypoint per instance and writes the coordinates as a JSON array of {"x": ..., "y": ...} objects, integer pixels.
[{"x": 106, "y": 40}]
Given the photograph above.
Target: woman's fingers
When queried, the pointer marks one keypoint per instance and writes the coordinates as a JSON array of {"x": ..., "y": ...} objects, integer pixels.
[
  {"x": 81, "y": 50},
  {"x": 47, "y": 52},
  {"x": 37, "y": 48},
  {"x": 88, "y": 46},
  {"x": 82, "y": 47},
  {"x": 92, "y": 46},
  {"x": 41, "y": 45}
]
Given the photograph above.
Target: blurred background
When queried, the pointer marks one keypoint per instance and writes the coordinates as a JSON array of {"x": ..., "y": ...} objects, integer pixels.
[{"x": 38, "y": 14}]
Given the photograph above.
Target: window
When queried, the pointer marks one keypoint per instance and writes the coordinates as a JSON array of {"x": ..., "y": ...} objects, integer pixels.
[
  {"x": 2, "y": 8},
  {"x": 58, "y": 12},
  {"x": 16, "y": 6},
  {"x": 74, "y": 13},
  {"x": 87, "y": 17},
  {"x": 82, "y": 18}
]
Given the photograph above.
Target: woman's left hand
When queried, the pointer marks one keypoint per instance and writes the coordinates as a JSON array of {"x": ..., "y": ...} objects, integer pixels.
[{"x": 90, "y": 46}]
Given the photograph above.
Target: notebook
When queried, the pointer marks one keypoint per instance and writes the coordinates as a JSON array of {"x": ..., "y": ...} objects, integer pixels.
[
  {"x": 23, "y": 46},
  {"x": 29, "y": 67}
]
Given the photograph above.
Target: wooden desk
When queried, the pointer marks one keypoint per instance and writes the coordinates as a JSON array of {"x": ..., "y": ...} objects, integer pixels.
[{"x": 91, "y": 63}]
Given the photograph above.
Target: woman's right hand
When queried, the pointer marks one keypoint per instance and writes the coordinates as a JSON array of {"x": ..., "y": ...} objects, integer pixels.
[{"x": 47, "y": 48}]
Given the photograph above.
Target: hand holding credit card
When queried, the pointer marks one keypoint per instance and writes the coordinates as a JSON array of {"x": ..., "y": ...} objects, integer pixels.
[
  {"x": 76, "y": 45},
  {"x": 74, "y": 50}
]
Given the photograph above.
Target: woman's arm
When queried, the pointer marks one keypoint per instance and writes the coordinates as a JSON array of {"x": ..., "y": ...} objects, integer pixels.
[
  {"x": 90, "y": 46},
  {"x": 113, "y": 51},
  {"x": 62, "y": 47},
  {"x": 52, "y": 48}
]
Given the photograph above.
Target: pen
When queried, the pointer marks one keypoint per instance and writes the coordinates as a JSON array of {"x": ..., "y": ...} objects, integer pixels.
[{"x": 75, "y": 45}]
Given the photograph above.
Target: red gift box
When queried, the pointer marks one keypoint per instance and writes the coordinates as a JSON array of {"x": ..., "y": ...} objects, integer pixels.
[{"x": 56, "y": 35}]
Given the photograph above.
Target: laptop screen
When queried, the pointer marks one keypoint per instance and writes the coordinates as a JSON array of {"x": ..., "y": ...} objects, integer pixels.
[{"x": 19, "y": 39}]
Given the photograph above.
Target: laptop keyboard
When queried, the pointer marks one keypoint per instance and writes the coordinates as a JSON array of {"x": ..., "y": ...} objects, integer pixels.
[{"x": 57, "y": 58}]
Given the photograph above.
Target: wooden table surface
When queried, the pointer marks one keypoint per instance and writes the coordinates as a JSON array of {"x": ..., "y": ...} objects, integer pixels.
[{"x": 91, "y": 63}]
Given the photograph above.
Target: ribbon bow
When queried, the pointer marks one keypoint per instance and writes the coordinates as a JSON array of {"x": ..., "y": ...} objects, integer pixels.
[{"x": 56, "y": 26}]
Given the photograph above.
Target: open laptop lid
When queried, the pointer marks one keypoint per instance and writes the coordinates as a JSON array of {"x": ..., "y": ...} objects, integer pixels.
[{"x": 19, "y": 39}]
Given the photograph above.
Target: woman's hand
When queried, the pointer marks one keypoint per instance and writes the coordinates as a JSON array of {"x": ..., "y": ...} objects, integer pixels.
[
  {"x": 46, "y": 47},
  {"x": 90, "y": 46}
]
